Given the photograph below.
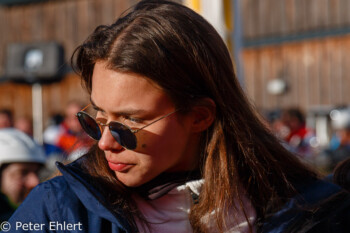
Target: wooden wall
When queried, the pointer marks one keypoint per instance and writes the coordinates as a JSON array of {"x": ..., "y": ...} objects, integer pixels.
[
  {"x": 317, "y": 73},
  {"x": 18, "y": 97},
  {"x": 315, "y": 66},
  {"x": 68, "y": 22},
  {"x": 284, "y": 17}
]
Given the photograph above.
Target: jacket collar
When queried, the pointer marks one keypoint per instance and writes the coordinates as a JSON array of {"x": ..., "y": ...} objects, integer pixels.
[
  {"x": 165, "y": 182},
  {"x": 91, "y": 198}
]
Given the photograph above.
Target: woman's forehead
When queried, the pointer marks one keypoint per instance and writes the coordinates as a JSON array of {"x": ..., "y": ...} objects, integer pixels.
[
  {"x": 125, "y": 90},
  {"x": 102, "y": 70}
]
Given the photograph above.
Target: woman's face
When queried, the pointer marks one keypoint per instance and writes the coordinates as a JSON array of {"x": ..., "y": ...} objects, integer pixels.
[{"x": 165, "y": 146}]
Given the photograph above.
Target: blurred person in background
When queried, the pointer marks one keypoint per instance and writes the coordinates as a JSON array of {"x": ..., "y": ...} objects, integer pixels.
[
  {"x": 21, "y": 159},
  {"x": 6, "y": 119},
  {"x": 275, "y": 123},
  {"x": 299, "y": 135},
  {"x": 339, "y": 148},
  {"x": 68, "y": 136},
  {"x": 24, "y": 124},
  {"x": 50, "y": 136}
]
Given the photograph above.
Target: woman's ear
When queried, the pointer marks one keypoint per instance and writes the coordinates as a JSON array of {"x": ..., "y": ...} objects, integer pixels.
[{"x": 203, "y": 113}]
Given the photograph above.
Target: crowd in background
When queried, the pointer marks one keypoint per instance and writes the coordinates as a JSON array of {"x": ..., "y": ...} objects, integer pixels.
[
  {"x": 63, "y": 137},
  {"x": 290, "y": 126},
  {"x": 24, "y": 163}
]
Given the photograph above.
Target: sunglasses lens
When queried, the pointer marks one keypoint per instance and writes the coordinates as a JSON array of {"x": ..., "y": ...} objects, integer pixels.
[
  {"x": 123, "y": 135},
  {"x": 89, "y": 125}
]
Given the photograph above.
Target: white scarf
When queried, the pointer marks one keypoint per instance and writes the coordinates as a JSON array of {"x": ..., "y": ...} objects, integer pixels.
[{"x": 169, "y": 213}]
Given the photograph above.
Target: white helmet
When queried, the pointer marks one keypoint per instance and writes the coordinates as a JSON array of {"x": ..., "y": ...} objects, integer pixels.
[{"x": 16, "y": 146}]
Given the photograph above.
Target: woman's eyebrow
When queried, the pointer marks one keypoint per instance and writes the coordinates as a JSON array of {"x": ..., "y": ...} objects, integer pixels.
[
  {"x": 124, "y": 112},
  {"x": 95, "y": 106},
  {"x": 130, "y": 112}
]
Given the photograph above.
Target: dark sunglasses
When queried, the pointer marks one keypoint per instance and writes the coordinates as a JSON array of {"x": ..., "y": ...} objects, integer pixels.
[{"x": 123, "y": 134}]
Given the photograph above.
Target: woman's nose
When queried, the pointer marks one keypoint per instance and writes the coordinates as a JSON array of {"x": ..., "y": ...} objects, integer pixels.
[{"x": 107, "y": 141}]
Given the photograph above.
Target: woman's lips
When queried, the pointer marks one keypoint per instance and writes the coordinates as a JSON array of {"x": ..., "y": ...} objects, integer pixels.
[{"x": 119, "y": 167}]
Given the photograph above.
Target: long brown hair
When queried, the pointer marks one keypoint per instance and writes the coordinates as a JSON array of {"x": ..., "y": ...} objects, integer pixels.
[{"x": 181, "y": 52}]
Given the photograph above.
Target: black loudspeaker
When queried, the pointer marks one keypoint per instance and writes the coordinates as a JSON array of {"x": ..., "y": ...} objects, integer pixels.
[{"x": 35, "y": 62}]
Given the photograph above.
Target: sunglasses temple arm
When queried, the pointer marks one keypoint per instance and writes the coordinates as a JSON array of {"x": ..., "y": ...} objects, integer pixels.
[
  {"x": 137, "y": 130},
  {"x": 85, "y": 107}
]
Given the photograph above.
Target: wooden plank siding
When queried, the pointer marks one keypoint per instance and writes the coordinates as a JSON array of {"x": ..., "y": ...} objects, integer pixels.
[
  {"x": 307, "y": 44},
  {"x": 317, "y": 73},
  {"x": 68, "y": 22},
  {"x": 285, "y": 17},
  {"x": 18, "y": 97}
]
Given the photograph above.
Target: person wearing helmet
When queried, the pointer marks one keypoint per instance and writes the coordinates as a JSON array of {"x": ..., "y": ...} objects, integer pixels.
[{"x": 20, "y": 161}]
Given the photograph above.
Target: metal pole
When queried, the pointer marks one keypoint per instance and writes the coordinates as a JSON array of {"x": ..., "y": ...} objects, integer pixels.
[
  {"x": 37, "y": 103},
  {"x": 238, "y": 40}
]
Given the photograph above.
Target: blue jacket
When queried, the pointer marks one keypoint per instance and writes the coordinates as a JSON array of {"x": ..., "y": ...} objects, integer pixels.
[
  {"x": 320, "y": 207},
  {"x": 69, "y": 203}
]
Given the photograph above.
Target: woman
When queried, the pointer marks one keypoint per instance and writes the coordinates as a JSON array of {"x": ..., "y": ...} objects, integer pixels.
[{"x": 180, "y": 148}]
